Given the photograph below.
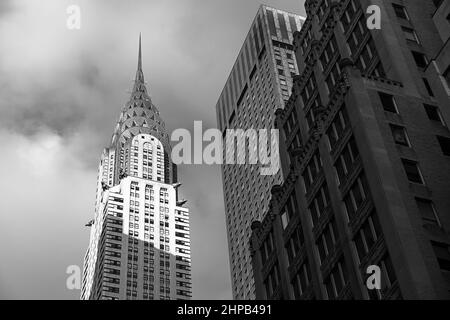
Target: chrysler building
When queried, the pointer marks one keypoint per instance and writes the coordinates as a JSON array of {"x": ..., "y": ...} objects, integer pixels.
[{"x": 139, "y": 245}]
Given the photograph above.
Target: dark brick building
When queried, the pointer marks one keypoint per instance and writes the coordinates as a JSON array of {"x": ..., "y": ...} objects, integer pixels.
[{"x": 365, "y": 151}]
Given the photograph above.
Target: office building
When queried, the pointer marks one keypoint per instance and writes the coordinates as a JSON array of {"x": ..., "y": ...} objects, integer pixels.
[
  {"x": 140, "y": 243},
  {"x": 365, "y": 149},
  {"x": 259, "y": 83}
]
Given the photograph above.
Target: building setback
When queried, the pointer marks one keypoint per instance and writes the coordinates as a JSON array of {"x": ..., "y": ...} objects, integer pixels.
[
  {"x": 259, "y": 83},
  {"x": 365, "y": 151},
  {"x": 140, "y": 243}
]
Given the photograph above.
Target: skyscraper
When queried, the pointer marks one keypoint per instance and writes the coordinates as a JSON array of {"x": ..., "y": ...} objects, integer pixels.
[
  {"x": 140, "y": 243},
  {"x": 259, "y": 83},
  {"x": 368, "y": 185}
]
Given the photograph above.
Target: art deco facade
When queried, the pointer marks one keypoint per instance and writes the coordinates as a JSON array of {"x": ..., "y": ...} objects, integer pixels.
[
  {"x": 259, "y": 83},
  {"x": 366, "y": 157},
  {"x": 140, "y": 243}
]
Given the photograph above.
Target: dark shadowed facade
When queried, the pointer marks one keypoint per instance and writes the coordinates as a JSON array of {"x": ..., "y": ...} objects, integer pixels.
[{"x": 365, "y": 151}]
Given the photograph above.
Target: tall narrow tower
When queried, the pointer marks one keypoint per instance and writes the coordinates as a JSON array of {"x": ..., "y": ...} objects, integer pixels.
[
  {"x": 260, "y": 82},
  {"x": 140, "y": 244}
]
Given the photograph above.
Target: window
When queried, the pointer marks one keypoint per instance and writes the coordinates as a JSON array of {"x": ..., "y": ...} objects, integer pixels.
[
  {"x": 295, "y": 144},
  {"x": 367, "y": 236},
  {"x": 327, "y": 241},
  {"x": 308, "y": 90},
  {"x": 356, "y": 197},
  {"x": 322, "y": 8},
  {"x": 420, "y": 59},
  {"x": 444, "y": 142},
  {"x": 267, "y": 248},
  {"x": 348, "y": 15},
  {"x": 336, "y": 281},
  {"x": 290, "y": 123},
  {"x": 428, "y": 87},
  {"x": 294, "y": 243},
  {"x": 365, "y": 58},
  {"x": 447, "y": 72},
  {"x": 337, "y": 128},
  {"x": 378, "y": 71},
  {"x": 388, "y": 102},
  {"x": 400, "y": 11},
  {"x": 307, "y": 40},
  {"x": 312, "y": 171},
  {"x": 333, "y": 78},
  {"x": 410, "y": 34},
  {"x": 437, "y": 3},
  {"x": 427, "y": 211},
  {"x": 345, "y": 161},
  {"x": 301, "y": 281},
  {"x": 400, "y": 135},
  {"x": 328, "y": 53},
  {"x": 284, "y": 219},
  {"x": 442, "y": 252},
  {"x": 319, "y": 204},
  {"x": 412, "y": 171},
  {"x": 433, "y": 113},
  {"x": 310, "y": 119},
  {"x": 357, "y": 37},
  {"x": 272, "y": 281},
  {"x": 388, "y": 273},
  {"x": 290, "y": 210}
]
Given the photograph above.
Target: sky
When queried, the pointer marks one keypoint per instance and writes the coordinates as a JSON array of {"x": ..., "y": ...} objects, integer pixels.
[{"x": 61, "y": 92}]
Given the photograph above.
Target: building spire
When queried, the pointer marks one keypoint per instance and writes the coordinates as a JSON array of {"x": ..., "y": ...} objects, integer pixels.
[
  {"x": 139, "y": 72},
  {"x": 140, "y": 54}
]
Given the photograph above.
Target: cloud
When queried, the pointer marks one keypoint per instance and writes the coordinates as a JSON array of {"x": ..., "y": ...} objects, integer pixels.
[
  {"x": 5, "y": 7},
  {"x": 42, "y": 220}
]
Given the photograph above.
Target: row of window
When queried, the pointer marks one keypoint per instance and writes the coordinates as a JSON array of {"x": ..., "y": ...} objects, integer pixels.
[
  {"x": 294, "y": 244},
  {"x": 289, "y": 210},
  {"x": 272, "y": 281},
  {"x": 337, "y": 280},
  {"x": 312, "y": 171},
  {"x": 356, "y": 196},
  {"x": 327, "y": 241},
  {"x": 301, "y": 281},
  {"x": 346, "y": 161}
]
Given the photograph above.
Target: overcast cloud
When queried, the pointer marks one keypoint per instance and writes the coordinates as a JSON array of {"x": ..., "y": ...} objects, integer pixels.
[{"x": 61, "y": 93}]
